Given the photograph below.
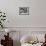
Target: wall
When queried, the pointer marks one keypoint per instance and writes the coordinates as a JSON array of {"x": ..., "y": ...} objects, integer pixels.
[
  {"x": 37, "y": 14},
  {"x": 11, "y": 7}
]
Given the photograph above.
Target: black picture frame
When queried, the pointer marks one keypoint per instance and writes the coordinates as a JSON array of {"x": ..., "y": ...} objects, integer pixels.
[{"x": 23, "y": 10}]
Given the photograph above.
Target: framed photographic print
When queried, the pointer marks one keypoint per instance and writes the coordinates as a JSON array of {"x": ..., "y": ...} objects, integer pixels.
[{"x": 23, "y": 10}]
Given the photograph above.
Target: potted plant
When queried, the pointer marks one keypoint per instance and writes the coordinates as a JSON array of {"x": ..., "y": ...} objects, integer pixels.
[{"x": 2, "y": 19}]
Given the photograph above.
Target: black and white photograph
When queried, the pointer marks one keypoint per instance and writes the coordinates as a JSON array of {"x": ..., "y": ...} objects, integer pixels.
[{"x": 23, "y": 10}]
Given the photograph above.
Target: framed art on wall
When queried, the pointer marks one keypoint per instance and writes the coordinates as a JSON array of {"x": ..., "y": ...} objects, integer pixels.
[{"x": 23, "y": 10}]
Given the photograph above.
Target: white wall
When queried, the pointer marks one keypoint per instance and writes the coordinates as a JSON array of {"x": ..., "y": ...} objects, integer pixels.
[
  {"x": 37, "y": 14},
  {"x": 11, "y": 7},
  {"x": 35, "y": 21}
]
